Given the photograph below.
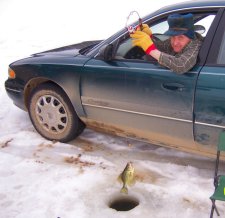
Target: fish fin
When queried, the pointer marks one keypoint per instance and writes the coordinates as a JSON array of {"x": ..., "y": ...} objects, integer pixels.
[
  {"x": 124, "y": 190},
  {"x": 119, "y": 179}
]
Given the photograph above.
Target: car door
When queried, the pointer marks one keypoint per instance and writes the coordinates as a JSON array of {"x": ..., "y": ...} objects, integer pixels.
[{"x": 160, "y": 102}]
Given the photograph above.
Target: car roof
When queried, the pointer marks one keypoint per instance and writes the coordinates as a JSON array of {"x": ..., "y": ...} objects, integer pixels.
[{"x": 192, "y": 4}]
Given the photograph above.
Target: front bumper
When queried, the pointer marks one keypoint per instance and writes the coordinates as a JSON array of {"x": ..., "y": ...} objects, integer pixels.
[{"x": 15, "y": 92}]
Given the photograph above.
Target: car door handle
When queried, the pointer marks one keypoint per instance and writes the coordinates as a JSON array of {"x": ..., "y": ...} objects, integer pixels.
[{"x": 173, "y": 86}]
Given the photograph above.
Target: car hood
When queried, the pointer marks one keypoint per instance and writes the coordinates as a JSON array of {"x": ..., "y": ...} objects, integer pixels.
[{"x": 70, "y": 50}]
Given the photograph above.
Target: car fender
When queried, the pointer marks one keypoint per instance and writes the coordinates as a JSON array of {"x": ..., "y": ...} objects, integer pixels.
[{"x": 57, "y": 73}]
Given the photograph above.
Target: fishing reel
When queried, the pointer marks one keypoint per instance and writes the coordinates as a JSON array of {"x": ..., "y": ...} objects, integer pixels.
[{"x": 129, "y": 27}]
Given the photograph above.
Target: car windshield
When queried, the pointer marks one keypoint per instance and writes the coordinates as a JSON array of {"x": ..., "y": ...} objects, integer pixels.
[{"x": 85, "y": 50}]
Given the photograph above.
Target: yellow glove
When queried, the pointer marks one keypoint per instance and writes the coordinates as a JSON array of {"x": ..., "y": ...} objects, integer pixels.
[
  {"x": 142, "y": 40},
  {"x": 145, "y": 28}
]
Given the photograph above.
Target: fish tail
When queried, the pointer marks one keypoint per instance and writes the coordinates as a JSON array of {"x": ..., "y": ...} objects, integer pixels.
[{"x": 124, "y": 190}]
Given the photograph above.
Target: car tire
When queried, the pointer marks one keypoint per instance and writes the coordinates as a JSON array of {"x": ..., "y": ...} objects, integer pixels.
[{"x": 52, "y": 113}]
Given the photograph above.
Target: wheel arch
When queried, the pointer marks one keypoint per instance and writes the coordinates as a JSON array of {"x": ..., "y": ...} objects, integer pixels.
[{"x": 35, "y": 82}]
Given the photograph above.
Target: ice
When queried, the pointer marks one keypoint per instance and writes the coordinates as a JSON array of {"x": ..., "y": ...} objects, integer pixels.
[{"x": 40, "y": 178}]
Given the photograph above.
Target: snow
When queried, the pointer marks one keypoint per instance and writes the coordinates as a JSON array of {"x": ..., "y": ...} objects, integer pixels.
[{"x": 40, "y": 178}]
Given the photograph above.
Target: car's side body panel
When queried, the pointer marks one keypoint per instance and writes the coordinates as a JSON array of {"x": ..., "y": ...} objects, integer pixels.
[
  {"x": 209, "y": 106},
  {"x": 141, "y": 97}
]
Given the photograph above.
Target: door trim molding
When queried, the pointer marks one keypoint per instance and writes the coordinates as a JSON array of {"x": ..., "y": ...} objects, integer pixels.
[{"x": 135, "y": 112}]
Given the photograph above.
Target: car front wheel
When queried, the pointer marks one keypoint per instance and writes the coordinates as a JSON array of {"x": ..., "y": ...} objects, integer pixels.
[{"x": 52, "y": 113}]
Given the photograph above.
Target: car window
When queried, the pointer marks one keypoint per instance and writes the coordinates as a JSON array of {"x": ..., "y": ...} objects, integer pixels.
[
  {"x": 206, "y": 22},
  {"x": 160, "y": 28},
  {"x": 127, "y": 51},
  {"x": 202, "y": 20},
  {"x": 221, "y": 56}
]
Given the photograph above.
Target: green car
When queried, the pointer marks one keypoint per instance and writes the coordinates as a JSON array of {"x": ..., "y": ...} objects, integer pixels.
[{"x": 111, "y": 86}]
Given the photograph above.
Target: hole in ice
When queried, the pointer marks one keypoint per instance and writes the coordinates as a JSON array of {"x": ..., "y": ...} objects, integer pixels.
[{"x": 124, "y": 203}]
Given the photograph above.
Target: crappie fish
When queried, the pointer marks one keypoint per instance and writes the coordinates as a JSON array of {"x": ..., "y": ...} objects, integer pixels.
[{"x": 127, "y": 177}]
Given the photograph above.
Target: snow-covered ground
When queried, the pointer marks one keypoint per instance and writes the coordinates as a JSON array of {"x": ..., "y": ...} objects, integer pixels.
[{"x": 39, "y": 178}]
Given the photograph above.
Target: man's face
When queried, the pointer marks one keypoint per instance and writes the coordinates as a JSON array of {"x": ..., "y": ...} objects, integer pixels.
[{"x": 179, "y": 42}]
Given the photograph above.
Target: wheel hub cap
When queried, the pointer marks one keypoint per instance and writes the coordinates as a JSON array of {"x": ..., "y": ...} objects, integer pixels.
[{"x": 51, "y": 114}]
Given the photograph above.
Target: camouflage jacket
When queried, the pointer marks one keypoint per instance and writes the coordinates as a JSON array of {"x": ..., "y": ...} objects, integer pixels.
[{"x": 179, "y": 62}]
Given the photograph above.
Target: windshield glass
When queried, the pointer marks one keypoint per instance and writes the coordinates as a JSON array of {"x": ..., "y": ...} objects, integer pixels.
[{"x": 87, "y": 48}]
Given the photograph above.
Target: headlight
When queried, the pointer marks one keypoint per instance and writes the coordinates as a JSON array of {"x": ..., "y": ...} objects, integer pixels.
[{"x": 11, "y": 73}]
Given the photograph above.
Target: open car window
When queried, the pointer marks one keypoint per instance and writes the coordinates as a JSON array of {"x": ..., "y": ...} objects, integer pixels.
[{"x": 127, "y": 51}]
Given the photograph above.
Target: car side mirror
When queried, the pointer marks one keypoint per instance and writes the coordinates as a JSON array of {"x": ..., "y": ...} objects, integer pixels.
[{"x": 106, "y": 52}]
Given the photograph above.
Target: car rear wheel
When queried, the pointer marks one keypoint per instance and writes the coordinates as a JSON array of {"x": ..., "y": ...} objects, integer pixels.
[{"x": 52, "y": 113}]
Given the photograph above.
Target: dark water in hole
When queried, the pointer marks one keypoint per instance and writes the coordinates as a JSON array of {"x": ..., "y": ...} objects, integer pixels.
[{"x": 124, "y": 204}]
